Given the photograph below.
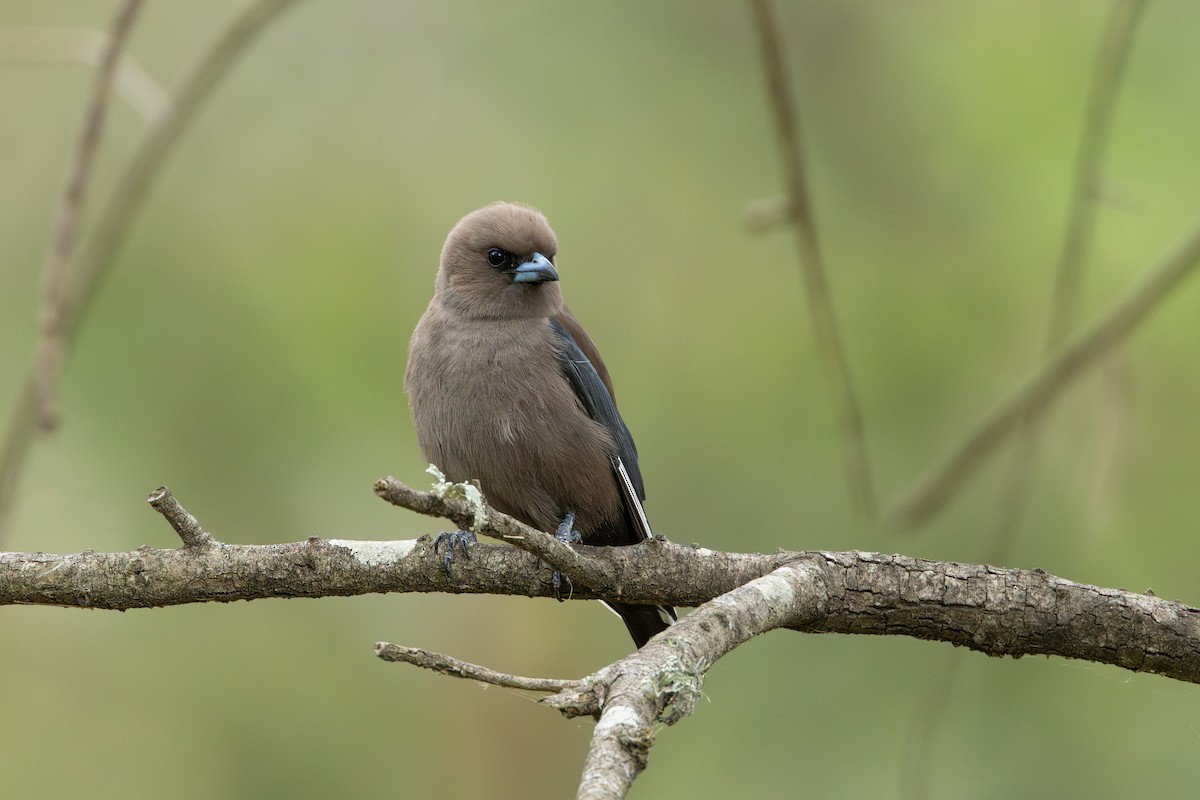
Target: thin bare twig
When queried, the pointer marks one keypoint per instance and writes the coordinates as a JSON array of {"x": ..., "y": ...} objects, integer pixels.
[
  {"x": 1029, "y": 402},
  {"x": 445, "y": 665},
  {"x": 66, "y": 225},
  {"x": 185, "y": 524},
  {"x": 660, "y": 683},
  {"x": 994, "y": 610},
  {"x": 94, "y": 260},
  {"x": 820, "y": 302},
  {"x": 465, "y": 513}
]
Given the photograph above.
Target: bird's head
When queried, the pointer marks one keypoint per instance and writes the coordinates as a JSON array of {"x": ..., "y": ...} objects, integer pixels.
[{"x": 498, "y": 262}]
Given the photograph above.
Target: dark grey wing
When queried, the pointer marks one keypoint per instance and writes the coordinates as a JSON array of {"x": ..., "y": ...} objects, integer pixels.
[
  {"x": 643, "y": 622},
  {"x": 598, "y": 403}
]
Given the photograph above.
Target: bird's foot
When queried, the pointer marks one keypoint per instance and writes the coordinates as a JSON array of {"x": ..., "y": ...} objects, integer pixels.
[
  {"x": 451, "y": 539},
  {"x": 566, "y": 534}
]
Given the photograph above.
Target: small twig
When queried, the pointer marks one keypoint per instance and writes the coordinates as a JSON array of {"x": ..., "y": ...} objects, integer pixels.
[
  {"x": 932, "y": 491},
  {"x": 658, "y": 684},
  {"x": 454, "y": 668},
  {"x": 589, "y": 572},
  {"x": 184, "y": 523},
  {"x": 820, "y": 302},
  {"x": 66, "y": 224},
  {"x": 997, "y": 611},
  {"x": 94, "y": 260}
]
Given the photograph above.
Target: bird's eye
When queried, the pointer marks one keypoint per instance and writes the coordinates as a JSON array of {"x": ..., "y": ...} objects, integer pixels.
[{"x": 497, "y": 257}]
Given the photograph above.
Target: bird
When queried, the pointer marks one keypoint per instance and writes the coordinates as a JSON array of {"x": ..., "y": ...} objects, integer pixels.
[{"x": 507, "y": 389}]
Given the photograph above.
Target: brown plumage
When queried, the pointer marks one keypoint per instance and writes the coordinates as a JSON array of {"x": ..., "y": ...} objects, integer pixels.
[{"x": 506, "y": 387}]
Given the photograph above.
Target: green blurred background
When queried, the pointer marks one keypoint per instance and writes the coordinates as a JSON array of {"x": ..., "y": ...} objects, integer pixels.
[{"x": 248, "y": 351}]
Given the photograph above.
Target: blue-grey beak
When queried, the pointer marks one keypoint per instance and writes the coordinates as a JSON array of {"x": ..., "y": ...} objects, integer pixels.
[{"x": 536, "y": 270}]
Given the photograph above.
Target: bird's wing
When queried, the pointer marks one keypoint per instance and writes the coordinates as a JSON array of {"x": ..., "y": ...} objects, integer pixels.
[{"x": 587, "y": 376}]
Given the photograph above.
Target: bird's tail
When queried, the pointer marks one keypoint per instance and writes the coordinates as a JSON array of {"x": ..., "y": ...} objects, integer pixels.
[{"x": 643, "y": 621}]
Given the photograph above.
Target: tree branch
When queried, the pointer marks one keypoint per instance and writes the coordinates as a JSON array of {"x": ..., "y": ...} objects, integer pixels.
[
  {"x": 737, "y": 596},
  {"x": 992, "y": 610},
  {"x": 995, "y": 611},
  {"x": 658, "y": 684}
]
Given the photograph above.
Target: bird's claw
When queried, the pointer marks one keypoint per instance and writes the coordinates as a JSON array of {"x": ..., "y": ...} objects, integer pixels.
[
  {"x": 451, "y": 539},
  {"x": 566, "y": 534}
]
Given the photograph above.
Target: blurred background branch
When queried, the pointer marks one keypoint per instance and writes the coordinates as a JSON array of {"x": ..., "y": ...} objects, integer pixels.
[
  {"x": 1087, "y": 185},
  {"x": 34, "y": 43},
  {"x": 89, "y": 267},
  {"x": 930, "y": 492},
  {"x": 55, "y": 275},
  {"x": 1043, "y": 389},
  {"x": 1086, "y": 192},
  {"x": 929, "y": 714},
  {"x": 799, "y": 211}
]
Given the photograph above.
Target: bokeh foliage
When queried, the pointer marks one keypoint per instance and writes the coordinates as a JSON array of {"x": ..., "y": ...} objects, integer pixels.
[{"x": 249, "y": 345}]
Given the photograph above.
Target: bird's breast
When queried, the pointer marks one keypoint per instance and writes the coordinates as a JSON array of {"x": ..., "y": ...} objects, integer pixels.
[{"x": 490, "y": 402}]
